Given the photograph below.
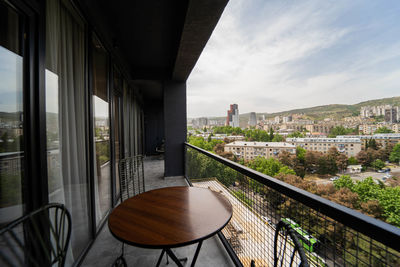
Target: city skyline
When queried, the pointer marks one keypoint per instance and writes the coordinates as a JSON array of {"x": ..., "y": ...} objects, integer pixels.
[
  {"x": 287, "y": 110},
  {"x": 276, "y": 56}
]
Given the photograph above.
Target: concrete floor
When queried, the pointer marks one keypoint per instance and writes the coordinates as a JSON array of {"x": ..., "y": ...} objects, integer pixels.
[{"x": 106, "y": 248}]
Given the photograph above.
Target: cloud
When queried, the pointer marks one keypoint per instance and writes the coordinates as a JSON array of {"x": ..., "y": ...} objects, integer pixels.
[{"x": 275, "y": 55}]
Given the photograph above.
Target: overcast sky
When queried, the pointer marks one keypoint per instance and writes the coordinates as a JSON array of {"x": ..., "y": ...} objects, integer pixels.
[{"x": 276, "y": 55}]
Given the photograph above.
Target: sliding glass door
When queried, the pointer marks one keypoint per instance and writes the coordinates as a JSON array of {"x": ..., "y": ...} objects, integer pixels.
[
  {"x": 11, "y": 114},
  {"x": 101, "y": 121},
  {"x": 66, "y": 126},
  {"x": 117, "y": 127}
]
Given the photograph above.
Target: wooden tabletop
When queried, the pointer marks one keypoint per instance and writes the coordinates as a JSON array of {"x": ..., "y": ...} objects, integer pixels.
[{"x": 170, "y": 217}]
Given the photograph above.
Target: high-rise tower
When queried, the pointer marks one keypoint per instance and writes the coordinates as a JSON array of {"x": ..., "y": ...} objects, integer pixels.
[{"x": 232, "y": 118}]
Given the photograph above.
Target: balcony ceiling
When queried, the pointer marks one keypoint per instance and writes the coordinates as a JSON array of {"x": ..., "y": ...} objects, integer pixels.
[{"x": 157, "y": 39}]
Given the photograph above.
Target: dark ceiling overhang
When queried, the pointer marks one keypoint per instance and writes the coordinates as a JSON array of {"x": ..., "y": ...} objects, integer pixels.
[{"x": 155, "y": 39}]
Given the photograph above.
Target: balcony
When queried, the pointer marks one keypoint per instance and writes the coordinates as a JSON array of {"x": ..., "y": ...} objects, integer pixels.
[
  {"x": 133, "y": 59},
  {"x": 106, "y": 248},
  {"x": 343, "y": 236}
]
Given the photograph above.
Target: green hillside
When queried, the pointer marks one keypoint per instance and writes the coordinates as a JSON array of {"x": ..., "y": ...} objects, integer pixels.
[{"x": 335, "y": 111}]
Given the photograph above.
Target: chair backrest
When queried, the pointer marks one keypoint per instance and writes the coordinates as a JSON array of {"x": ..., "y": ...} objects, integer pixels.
[
  {"x": 131, "y": 177},
  {"x": 287, "y": 247},
  {"x": 40, "y": 238}
]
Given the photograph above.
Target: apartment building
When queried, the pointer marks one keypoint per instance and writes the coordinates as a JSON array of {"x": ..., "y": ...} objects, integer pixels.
[
  {"x": 369, "y": 111},
  {"x": 369, "y": 129},
  {"x": 200, "y": 122},
  {"x": 287, "y": 119},
  {"x": 381, "y": 139},
  {"x": 252, "y": 150},
  {"x": 320, "y": 128},
  {"x": 348, "y": 146},
  {"x": 391, "y": 115},
  {"x": 292, "y": 126}
]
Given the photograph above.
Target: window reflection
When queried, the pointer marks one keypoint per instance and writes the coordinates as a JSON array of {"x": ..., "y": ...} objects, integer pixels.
[
  {"x": 65, "y": 119},
  {"x": 11, "y": 116},
  {"x": 101, "y": 131}
]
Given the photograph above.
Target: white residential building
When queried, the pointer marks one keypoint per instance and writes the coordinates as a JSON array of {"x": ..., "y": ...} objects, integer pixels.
[
  {"x": 348, "y": 146},
  {"x": 252, "y": 150}
]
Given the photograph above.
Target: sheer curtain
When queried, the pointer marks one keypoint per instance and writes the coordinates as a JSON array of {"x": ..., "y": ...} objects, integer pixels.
[
  {"x": 65, "y": 58},
  {"x": 126, "y": 116}
]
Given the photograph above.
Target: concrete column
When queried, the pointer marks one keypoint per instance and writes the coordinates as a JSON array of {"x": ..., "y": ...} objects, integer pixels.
[{"x": 174, "y": 127}]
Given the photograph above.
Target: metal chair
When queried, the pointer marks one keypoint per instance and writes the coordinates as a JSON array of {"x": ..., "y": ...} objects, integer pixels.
[
  {"x": 131, "y": 183},
  {"x": 131, "y": 177},
  {"x": 286, "y": 246},
  {"x": 40, "y": 238}
]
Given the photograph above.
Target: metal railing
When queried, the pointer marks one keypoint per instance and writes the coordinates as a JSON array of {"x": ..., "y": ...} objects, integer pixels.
[{"x": 332, "y": 235}]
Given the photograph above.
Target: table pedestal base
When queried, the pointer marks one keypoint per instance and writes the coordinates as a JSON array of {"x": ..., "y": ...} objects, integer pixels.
[{"x": 178, "y": 261}]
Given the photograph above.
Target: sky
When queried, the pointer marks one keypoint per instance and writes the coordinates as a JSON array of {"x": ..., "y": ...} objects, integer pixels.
[
  {"x": 10, "y": 81},
  {"x": 277, "y": 55}
]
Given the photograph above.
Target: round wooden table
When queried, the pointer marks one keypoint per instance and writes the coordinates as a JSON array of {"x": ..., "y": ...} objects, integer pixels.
[{"x": 170, "y": 217}]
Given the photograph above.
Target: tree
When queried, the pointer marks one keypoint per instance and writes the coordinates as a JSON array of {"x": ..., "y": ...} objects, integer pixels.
[
  {"x": 366, "y": 157},
  {"x": 311, "y": 160},
  {"x": 333, "y": 152},
  {"x": 341, "y": 162},
  {"x": 340, "y": 130},
  {"x": 257, "y": 135},
  {"x": 209, "y": 137},
  {"x": 378, "y": 164},
  {"x": 344, "y": 181},
  {"x": 278, "y": 138},
  {"x": 296, "y": 134},
  {"x": 386, "y": 151},
  {"x": 384, "y": 129},
  {"x": 352, "y": 161},
  {"x": 271, "y": 134},
  {"x": 285, "y": 158},
  {"x": 269, "y": 166},
  {"x": 301, "y": 154},
  {"x": 371, "y": 143},
  {"x": 395, "y": 154},
  {"x": 219, "y": 148}
]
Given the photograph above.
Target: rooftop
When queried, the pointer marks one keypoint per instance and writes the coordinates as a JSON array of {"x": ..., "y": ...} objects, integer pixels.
[
  {"x": 382, "y": 135},
  {"x": 328, "y": 140},
  {"x": 261, "y": 144}
]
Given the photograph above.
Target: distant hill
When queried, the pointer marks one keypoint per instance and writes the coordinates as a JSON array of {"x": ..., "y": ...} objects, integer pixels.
[
  {"x": 335, "y": 111},
  {"x": 10, "y": 116}
]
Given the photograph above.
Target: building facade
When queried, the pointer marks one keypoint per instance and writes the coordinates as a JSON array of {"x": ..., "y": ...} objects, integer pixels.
[
  {"x": 232, "y": 118},
  {"x": 253, "y": 119},
  {"x": 391, "y": 115},
  {"x": 252, "y": 150},
  {"x": 324, "y": 128},
  {"x": 348, "y": 146},
  {"x": 381, "y": 139}
]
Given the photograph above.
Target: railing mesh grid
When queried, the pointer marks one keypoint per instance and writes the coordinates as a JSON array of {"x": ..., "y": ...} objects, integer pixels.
[{"x": 257, "y": 209}]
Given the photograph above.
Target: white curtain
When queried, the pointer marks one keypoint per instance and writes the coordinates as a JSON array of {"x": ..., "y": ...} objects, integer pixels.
[{"x": 65, "y": 46}]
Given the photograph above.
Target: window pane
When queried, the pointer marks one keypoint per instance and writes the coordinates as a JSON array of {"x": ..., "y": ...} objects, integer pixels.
[
  {"x": 11, "y": 116},
  {"x": 117, "y": 125},
  {"x": 101, "y": 131},
  {"x": 116, "y": 141},
  {"x": 65, "y": 119}
]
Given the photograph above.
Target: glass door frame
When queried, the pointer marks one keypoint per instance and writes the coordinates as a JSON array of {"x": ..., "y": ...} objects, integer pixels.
[{"x": 116, "y": 99}]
